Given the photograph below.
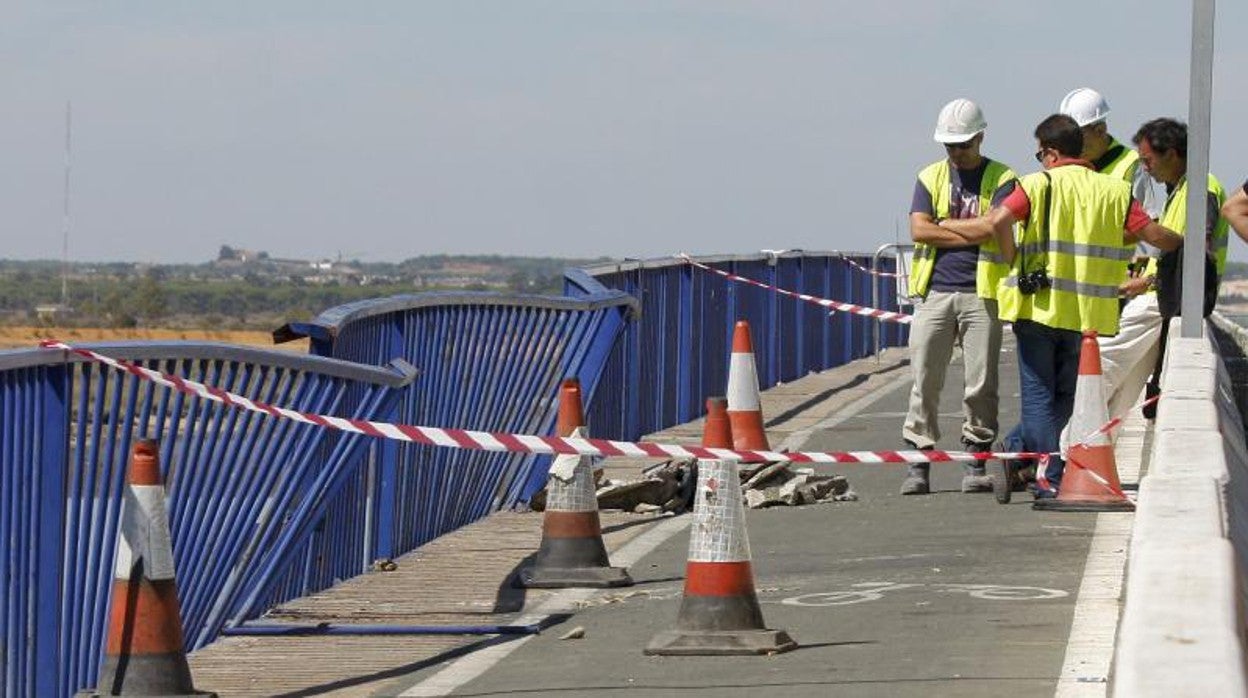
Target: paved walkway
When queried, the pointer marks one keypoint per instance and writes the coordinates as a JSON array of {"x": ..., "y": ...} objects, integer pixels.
[{"x": 947, "y": 595}]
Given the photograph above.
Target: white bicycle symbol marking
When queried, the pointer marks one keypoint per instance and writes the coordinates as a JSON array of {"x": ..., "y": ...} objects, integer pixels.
[
  {"x": 997, "y": 592},
  {"x": 874, "y": 591}
]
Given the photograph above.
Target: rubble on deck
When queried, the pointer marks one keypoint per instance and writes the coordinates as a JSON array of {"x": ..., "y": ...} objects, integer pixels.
[{"x": 668, "y": 486}]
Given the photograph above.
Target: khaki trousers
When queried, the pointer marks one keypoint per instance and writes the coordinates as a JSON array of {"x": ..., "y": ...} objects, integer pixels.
[
  {"x": 940, "y": 321},
  {"x": 1128, "y": 358}
]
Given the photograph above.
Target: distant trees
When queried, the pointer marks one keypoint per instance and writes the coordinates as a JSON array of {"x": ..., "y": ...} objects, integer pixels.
[
  {"x": 149, "y": 300},
  {"x": 253, "y": 291}
]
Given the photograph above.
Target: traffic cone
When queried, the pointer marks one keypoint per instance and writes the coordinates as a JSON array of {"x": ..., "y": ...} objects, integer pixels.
[
  {"x": 144, "y": 654},
  {"x": 744, "y": 406},
  {"x": 719, "y": 613},
  {"x": 1090, "y": 479},
  {"x": 572, "y": 553}
]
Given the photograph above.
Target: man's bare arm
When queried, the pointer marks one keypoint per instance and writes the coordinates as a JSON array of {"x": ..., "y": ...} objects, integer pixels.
[
  {"x": 1236, "y": 212},
  {"x": 923, "y": 228},
  {"x": 998, "y": 223},
  {"x": 1157, "y": 235},
  {"x": 973, "y": 230}
]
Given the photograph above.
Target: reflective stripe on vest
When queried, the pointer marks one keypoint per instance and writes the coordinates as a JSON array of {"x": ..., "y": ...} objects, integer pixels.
[
  {"x": 1085, "y": 257},
  {"x": 991, "y": 267},
  {"x": 1175, "y": 218},
  {"x": 1121, "y": 254},
  {"x": 1094, "y": 290}
]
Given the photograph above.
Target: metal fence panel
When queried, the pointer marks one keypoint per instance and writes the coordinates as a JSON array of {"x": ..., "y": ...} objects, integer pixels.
[
  {"x": 486, "y": 361},
  {"x": 247, "y": 493},
  {"x": 676, "y": 354}
]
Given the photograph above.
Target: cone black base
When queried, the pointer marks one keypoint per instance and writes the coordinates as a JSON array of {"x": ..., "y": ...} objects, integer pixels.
[
  {"x": 197, "y": 694},
  {"x": 165, "y": 675},
  {"x": 1068, "y": 505},
  {"x": 720, "y": 613},
  {"x": 720, "y": 642},
  {"x": 559, "y": 577},
  {"x": 572, "y": 554}
]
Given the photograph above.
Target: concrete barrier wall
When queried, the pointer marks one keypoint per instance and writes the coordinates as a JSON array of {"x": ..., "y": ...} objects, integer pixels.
[{"x": 1181, "y": 630}]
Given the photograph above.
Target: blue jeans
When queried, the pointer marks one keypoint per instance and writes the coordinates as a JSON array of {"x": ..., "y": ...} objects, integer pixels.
[{"x": 1048, "y": 368}]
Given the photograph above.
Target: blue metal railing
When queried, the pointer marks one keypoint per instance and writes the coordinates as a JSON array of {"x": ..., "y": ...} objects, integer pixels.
[
  {"x": 252, "y": 499},
  {"x": 486, "y": 361},
  {"x": 676, "y": 355}
]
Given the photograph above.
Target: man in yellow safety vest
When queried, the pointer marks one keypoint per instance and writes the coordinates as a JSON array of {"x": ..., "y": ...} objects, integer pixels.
[
  {"x": 1090, "y": 110},
  {"x": 955, "y": 277},
  {"x": 1131, "y": 356},
  {"x": 1078, "y": 229}
]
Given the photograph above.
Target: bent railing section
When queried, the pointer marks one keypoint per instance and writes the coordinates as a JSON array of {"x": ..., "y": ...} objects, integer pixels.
[
  {"x": 261, "y": 509},
  {"x": 1182, "y": 625},
  {"x": 677, "y": 353},
  {"x": 485, "y": 361}
]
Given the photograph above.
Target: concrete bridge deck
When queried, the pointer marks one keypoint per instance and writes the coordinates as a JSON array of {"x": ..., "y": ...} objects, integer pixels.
[{"x": 943, "y": 595}]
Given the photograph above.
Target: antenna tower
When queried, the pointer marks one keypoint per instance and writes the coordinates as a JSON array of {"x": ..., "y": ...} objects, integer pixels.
[{"x": 65, "y": 215}]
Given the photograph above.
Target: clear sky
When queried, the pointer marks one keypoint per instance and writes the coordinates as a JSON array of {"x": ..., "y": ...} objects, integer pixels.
[{"x": 386, "y": 130}]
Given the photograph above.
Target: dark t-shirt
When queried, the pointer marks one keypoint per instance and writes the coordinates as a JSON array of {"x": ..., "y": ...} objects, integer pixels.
[{"x": 955, "y": 266}]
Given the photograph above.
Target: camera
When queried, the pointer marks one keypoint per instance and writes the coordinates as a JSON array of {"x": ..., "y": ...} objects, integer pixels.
[{"x": 1033, "y": 281}]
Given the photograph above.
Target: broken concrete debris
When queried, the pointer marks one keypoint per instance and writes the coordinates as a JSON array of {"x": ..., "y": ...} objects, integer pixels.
[{"x": 668, "y": 486}]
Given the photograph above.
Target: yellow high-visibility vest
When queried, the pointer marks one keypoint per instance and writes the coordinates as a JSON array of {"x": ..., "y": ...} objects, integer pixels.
[
  {"x": 1175, "y": 218},
  {"x": 1122, "y": 165},
  {"x": 1085, "y": 255},
  {"x": 991, "y": 267}
]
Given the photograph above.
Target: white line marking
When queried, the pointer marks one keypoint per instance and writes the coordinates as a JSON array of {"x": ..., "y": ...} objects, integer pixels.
[
  {"x": 1090, "y": 646},
  {"x": 473, "y": 665}
]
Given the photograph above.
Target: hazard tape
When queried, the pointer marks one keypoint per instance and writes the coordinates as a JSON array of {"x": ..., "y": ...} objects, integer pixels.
[
  {"x": 1104, "y": 429},
  {"x": 1115, "y": 422},
  {"x": 528, "y": 443},
  {"x": 866, "y": 311},
  {"x": 873, "y": 272},
  {"x": 1042, "y": 482}
]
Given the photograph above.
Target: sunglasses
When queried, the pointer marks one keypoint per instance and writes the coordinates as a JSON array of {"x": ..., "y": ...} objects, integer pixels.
[
  {"x": 960, "y": 146},
  {"x": 1040, "y": 156}
]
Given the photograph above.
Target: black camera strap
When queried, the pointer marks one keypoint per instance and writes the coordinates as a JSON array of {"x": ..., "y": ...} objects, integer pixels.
[{"x": 1044, "y": 226}]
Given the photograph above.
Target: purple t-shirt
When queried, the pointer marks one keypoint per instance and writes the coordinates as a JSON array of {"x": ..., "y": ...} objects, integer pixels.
[{"x": 954, "y": 269}]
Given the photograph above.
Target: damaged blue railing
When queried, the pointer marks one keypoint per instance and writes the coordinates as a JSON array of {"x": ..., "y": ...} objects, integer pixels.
[{"x": 262, "y": 510}]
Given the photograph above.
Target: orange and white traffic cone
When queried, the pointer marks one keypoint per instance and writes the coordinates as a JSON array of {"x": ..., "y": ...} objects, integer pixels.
[
  {"x": 1090, "y": 479},
  {"x": 572, "y": 553},
  {"x": 744, "y": 405},
  {"x": 719, "y": 613},
  {"x": 144, "y": 655}
]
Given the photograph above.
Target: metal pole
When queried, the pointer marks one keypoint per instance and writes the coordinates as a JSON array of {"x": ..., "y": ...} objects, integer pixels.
[
  {"x": 1199, "y": 100},
  {"x": 65, "y": 214}
]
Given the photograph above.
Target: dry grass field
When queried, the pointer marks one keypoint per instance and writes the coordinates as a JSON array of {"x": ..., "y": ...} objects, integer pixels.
[{"x": 18, "y": 337}]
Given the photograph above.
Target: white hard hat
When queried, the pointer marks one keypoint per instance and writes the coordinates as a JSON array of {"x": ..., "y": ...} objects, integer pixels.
[
  {"x": 959, "y": 121},
  {"x": 1085, "y": 105}
]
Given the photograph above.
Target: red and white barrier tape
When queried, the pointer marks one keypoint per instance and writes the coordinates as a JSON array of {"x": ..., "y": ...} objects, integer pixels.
[
  {"x": 1104, "y": 429},
  {"x": 883, "y": 315},
  {"x": 1115, "y": 422},
  {"x": 528, "y": 443},
  {"x": 873, "y": 272}
]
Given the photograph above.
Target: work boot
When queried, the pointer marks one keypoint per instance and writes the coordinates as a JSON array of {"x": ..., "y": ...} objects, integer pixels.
[
  {"x": 975, "y": 477},
  {"x": 916, "y": 481}
]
